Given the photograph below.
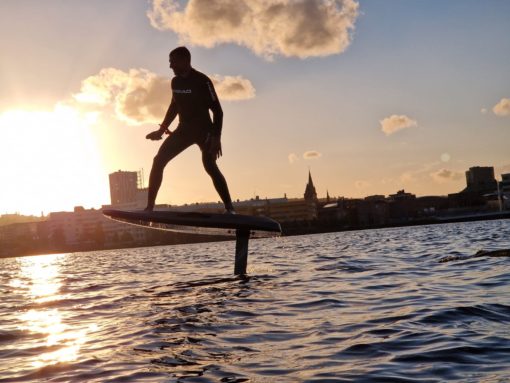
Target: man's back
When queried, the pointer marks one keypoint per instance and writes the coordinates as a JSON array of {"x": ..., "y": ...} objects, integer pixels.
[{"x": 194, "y": 95}]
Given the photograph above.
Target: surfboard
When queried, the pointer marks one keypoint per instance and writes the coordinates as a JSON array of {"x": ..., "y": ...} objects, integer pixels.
[{"x": 198, "y": 222}]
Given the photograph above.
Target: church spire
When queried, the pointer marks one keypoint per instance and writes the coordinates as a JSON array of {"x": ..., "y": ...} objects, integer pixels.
[{"x": 310, "y": 193}]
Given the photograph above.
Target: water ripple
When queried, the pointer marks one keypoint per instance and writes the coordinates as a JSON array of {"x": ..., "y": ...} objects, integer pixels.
[{"x": 414, "y": 304}]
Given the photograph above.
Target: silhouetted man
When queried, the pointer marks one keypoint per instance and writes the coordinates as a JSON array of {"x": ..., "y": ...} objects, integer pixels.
[{"x": 193, "y": 95}]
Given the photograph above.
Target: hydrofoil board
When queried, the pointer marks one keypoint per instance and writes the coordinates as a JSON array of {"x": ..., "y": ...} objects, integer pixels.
[{"x": 198, "y": 222}]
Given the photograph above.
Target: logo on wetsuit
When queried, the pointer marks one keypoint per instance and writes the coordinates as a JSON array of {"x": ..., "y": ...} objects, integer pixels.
[{"x": 181, "y": 91}]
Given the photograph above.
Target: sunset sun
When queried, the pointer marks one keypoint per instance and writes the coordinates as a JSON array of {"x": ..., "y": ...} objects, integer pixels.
[{"x": 50, "y": 161}]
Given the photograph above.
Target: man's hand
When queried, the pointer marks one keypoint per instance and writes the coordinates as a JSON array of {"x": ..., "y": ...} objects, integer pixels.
[
  {"x": 214, "y": 146},
  {"x": 156, "y": 135}
]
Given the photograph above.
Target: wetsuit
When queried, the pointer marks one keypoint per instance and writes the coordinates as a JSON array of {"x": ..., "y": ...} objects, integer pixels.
[{"x": 192, "y": 97}]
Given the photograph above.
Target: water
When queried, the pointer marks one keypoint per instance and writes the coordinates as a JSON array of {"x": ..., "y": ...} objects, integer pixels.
[{"x": 365, "y": 306}]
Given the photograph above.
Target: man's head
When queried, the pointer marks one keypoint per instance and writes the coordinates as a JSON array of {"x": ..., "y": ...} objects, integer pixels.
[{"x": 180, "y": 61}]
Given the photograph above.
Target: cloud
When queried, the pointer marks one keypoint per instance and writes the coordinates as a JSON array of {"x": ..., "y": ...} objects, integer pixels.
[
  {"x": 483, "y": 110},
  {"x": 443, "y": 175},
  {"x": 394, "y": 123},
  {"x": 419, "y": 173},
  {"x": 291, "y": 28},
  {"x": 293, "y": 158},
  {"x": 140, "y": 96},
  {"x": 233, "y": 87},
  {"x": 502, "y": 108},
  {"x": 311, "y": 154}
]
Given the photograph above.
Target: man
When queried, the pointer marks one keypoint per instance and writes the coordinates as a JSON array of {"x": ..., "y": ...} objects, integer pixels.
[{"x": 193, "y": 95}]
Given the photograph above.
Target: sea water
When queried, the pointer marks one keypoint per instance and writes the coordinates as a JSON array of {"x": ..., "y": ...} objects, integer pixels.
[{"x": 393, "y": 305}]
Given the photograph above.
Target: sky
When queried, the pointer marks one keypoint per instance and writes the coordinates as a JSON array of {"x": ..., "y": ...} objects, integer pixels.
[{"x": 371, "y": 96}]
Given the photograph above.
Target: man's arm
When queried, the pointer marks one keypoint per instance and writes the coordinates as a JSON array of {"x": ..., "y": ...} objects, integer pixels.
[
  {"x": 215, "y": 106},
  {"x": 170, "y": 115},
  {"x": 214, "y": 140}
]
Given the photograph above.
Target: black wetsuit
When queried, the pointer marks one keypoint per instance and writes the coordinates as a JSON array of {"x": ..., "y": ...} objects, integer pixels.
[{"x": 192, "y": 98}]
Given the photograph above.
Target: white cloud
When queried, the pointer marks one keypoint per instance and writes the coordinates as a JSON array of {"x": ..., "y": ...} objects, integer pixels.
[
  {"x": 140, "y": 96},
  {"x": 233, "y": 87},
  {"x": 502, "y": 108},
  {"x": 443, "y": 175},
  {"x": 292, "y": 28},
  {"x": 293, "y": 158},
  {"x": 394, "y": 123},
  {"x": 311, "y": 154},
  {"x": 419, "y": 173}
]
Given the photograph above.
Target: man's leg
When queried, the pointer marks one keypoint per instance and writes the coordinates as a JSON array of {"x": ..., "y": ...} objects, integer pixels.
[
  {"x": 171, "y": 147},
  {"x": 219, "y": 181}
]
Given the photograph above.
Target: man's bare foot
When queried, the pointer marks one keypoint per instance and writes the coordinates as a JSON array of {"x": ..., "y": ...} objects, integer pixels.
[
  {"x": 230, "y": 211},
  {"x": 149, "y": 208}
]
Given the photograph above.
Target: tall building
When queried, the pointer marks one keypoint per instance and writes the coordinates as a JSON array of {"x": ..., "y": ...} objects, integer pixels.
[
  {"x": 123, "y": 187},
  {"x": 481, "y": 179}
]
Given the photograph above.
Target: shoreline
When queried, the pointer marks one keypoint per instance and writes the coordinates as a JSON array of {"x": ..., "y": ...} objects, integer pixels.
[{"x": 287, "y": 231}]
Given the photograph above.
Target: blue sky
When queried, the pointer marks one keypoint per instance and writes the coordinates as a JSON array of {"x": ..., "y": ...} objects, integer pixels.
[{"x": 441, "y": 64}]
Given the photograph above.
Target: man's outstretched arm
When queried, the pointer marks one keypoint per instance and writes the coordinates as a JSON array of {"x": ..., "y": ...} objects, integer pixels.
[{"x": 170, "y": 115}]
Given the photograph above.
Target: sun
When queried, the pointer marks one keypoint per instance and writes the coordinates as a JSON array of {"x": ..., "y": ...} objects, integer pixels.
[{"x": 50, "y": 161}]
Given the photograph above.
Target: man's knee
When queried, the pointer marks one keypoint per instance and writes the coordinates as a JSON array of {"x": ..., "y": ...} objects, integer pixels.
[
  {"x": 210, "y": 165},
  {"x": 159, "y": 162}
]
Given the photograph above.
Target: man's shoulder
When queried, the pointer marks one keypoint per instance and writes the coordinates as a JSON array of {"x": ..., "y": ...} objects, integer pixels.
[{"x": 200, "y": 76}]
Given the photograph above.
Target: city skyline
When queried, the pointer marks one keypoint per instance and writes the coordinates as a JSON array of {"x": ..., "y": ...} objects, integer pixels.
[
  {"x": 127, "y": 190},
  {"x": 401, "y": 95}
]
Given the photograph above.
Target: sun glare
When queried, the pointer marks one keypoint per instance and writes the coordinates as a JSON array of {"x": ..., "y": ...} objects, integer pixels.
[
  {"x": 40, "y": 281},
  {"x": 50, "y": 161}
]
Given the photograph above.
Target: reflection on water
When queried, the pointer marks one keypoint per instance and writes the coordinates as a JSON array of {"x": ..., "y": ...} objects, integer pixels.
[
  {"x": 39, "y": 276},
  {"x": 40, "y": 281},
  {"x": 370, "y": 306}
]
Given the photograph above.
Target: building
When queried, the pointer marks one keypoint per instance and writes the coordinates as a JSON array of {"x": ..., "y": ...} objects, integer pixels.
[
  {"x": 123, "y": 187},
  {"x": 373, "y": 211},
  {"x": 480, "y": 179},
  {"x": 310, "y": 192},
  {"x": 480, "y": 182},
  {"x": 403, "y": 207},
  {"x": 504, "y": 191},
  {"x": 18, "y": 236},
  {"x": 126, "y": 190},
  {"x": 90, "y": 228},
  {"x": 504, "y": 185}
]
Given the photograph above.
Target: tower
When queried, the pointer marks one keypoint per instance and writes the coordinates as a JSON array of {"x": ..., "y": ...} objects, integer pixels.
[
  {"x": 310, "y": 193},
  {"x": 123, "y": 187}
]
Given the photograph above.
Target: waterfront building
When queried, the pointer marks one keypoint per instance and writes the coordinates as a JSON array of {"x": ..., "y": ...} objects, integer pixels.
[
  {"x": 16, "y": 235},
  {"x": 480, "y": 179},
  {"x": 127, "y": 191},
  {"x": 480, "y": 182},
  {"x": 279, "y": 209},
  {"x": 504, "y": 191},
  {"x": 89, "y": 227}
]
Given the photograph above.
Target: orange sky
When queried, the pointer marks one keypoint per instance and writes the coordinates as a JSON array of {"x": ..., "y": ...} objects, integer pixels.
[{"x": 390, "y": 101}]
